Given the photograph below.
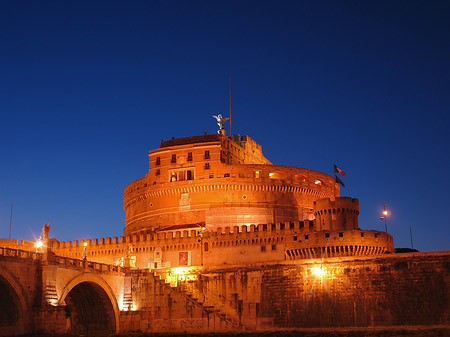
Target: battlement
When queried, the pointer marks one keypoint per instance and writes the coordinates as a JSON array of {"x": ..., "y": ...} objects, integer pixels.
[
  {"x": 191, "y": 140},
  {"x": 259, "y": 243},
  {"x": 343, "y": 203},
  {"x": 341, "y": 213},
  {"x": 222, "y": 233}
]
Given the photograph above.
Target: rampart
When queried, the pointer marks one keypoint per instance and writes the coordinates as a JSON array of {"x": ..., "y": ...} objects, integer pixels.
[
  {"x": 228, "y": 245},
  {"x": 410, "y": 289}
]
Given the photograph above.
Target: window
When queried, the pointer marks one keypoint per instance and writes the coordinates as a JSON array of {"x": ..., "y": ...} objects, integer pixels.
[
  {"x": 291, "y": 225},
  {"x": 206, "y": 166},
  {"x": 273, "y": 227},
  {"x": 341, "y": 235},
  {"x": 158, "y": 172},
  {"x": 282, "y": 225},
  {"x": 263, "y": 248},
  {"x": 181, "y": 174},
  {"x": 158, "y": 161},
  {"x": 226, "y": 175},
  {"x": 211, "y": 176},
  {"x": 295, "y": 238},
  {"x": 306, "y": 237},
  {"x": 362, "y": 234},
  {"x": 189, "y": 158},
  {"x": 327, "y": 235},
  {"x": 274, "y": 247},
  {"x": 206, "y": 154},
  {"x": 174, "y": 159}
]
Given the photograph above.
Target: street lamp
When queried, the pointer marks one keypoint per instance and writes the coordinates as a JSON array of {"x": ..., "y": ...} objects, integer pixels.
[
  {"x": 200, "y": 233},
  {"x": 385, "y": 213},
  {"x": 39, "y": 244},
  {"x": 84, "y": 250}
]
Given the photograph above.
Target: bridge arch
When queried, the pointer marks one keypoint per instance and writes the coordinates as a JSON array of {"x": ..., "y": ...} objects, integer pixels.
[
  {"x": 91, "y": 305},
  {"x": 14, "y": 313}
]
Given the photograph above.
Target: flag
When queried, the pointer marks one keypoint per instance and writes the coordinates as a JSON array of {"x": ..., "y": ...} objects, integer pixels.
[
  {"x": 338, "y": 170},
  {"x": 339, "y": 181}
]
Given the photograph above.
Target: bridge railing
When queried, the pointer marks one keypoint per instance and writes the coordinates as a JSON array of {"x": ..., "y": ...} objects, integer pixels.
[
  {"x": 23, "y": 254},
  {"x": 101, "y": 267}
]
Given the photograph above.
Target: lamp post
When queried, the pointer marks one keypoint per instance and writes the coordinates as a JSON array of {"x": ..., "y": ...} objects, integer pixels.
[
  {"x": 385, "y": 213},
  {"x": 201, "y": 244},
  {"x": 84, "y": 251},
  {"x": 38, "y": 245},
  {"x": 200, "y": 234}
]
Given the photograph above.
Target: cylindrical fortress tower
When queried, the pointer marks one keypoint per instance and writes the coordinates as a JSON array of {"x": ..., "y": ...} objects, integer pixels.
[
  {"x": 215, "y": 181},
  {"x": 339, "y": 214}
]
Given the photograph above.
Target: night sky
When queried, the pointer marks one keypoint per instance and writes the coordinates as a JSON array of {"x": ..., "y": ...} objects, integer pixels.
[{"x": 87, "y": 88}]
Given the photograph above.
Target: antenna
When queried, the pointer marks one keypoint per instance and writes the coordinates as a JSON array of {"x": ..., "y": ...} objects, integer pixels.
[
  {"x": 10, "y": 221},
  {"x": 229, "y": 92}
]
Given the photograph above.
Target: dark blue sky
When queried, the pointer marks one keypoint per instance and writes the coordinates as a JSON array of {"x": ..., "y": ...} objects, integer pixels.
[{"x": 87, "y": 88}]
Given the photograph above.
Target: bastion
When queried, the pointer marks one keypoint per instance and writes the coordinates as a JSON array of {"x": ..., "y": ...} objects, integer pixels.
[{"x": 218, "y": 238}]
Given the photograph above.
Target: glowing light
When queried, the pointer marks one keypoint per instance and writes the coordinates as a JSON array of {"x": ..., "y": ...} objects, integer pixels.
[
  {"x": 39, "y": 244},
  {"x": 271, "y": 174},
  {"x": 317, "y": 182},
  {"x": 385, "y": 212},
  {"x": 318, "y": 271},
  {"x": 85, "y": 244},
  {"x": 180, "y": 271}
]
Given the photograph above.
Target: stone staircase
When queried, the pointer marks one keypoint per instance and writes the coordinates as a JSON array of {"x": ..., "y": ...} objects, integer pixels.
[
  {"x": 50, "y": 295},
  {"x": 206, "y": 299}
]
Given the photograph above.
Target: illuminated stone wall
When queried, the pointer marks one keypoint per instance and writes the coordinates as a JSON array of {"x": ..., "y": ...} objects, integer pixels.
[
  {"x": 339, "y": 214},
  {"x": 410, "y": 289},
  {"x": 214, "y": 181},
  {"x": 393, "y": 290},
  {"x": 228, "y": 245}
]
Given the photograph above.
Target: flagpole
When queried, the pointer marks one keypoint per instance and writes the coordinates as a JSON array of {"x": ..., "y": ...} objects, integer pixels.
[
  {"x": 335, "y": 182},
  {"x": 10, "y": 221},
  {"x": 229, "y": 82}
]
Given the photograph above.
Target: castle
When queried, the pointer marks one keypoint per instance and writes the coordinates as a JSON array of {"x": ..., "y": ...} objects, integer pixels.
[
  {"x": 218, "y": 238},
  {"x": 212, "y": 200}
]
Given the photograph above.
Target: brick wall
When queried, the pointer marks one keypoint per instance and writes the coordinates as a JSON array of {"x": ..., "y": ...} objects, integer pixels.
[{"x": 389, "y": 290}]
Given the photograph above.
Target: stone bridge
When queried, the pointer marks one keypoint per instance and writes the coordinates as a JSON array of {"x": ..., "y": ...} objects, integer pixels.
[{"x": 44, "y": 293}]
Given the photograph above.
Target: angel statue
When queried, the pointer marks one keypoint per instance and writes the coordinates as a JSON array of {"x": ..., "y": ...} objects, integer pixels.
[
  {"x": 221, "y": 121},
  {"x": 45, "y": 231}
]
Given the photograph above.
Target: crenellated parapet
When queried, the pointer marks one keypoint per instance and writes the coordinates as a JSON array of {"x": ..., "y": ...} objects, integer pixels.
[
  {"x": 338, "y": 214},
  {"x": 230, "y": 245}
]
